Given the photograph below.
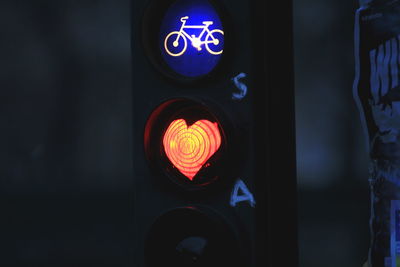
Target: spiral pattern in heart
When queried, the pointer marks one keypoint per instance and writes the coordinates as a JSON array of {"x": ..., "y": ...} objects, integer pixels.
[{"x": 189, "y": 148}]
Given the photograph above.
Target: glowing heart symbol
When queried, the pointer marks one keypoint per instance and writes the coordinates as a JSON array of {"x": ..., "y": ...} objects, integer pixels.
[{"x": 189, "y": 148}]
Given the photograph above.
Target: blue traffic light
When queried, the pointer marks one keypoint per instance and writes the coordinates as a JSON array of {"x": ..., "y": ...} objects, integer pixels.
[{"x": 191, "y": 38}]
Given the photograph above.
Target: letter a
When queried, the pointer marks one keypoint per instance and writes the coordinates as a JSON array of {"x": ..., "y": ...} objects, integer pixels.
[{"x": 245, "y": 196}]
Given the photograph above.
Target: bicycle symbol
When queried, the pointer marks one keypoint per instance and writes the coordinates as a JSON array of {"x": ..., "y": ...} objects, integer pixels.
[{"x": 211, "y": 41}]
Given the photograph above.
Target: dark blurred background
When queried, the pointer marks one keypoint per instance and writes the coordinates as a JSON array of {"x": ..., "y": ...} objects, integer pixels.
[
  {"x": 65, "y": 146},
  {"x": 65, "y": 136},
  {"x": 332, "y": 159}
]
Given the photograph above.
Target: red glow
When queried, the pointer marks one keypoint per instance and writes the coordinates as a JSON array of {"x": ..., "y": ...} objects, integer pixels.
[{"x": 189, "y": 148}]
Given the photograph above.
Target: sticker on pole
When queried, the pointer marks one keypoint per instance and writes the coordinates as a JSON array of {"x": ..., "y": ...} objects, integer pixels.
[
  {"x": 191, "y": 38},
  {"x": 241, "y": 193}
]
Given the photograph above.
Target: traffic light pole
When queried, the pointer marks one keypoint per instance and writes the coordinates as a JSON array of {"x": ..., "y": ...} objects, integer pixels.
[{"x": 277, "y": 195}]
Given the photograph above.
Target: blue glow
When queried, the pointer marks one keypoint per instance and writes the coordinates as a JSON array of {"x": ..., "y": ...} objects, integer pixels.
[{"x": 191, "y": 37}]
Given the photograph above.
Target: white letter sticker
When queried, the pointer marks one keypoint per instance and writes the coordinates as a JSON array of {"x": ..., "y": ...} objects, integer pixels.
[
  {"x": 244, "y": 196},
  {"x": 241, "y": 86}
]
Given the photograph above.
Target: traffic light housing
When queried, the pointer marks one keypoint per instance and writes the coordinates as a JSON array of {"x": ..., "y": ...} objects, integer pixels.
[{"x": 213, "y": 133}]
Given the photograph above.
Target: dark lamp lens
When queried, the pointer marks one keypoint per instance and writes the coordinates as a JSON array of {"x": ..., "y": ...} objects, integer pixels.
[{"x": 188, "y": 237}]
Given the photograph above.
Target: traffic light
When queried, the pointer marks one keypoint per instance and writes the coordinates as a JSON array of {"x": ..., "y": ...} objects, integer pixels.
[{"x": 213, "y": 133}]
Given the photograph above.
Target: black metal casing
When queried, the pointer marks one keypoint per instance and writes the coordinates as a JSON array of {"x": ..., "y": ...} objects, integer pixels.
[{"x": 259, "y": 128}]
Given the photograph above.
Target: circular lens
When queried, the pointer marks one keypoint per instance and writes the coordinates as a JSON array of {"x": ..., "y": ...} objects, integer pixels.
[
  {"x": 187, "y": 237},
  {"x": 187, "y": 142},
  {"x": 191, "y": 37}
]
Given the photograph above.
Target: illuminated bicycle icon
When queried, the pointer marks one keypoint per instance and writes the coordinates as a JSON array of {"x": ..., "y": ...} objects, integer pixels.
[{"x": 211, "y": 41}]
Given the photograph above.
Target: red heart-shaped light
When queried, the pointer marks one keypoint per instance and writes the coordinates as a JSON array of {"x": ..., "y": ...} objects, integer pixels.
[{"x": 189, "y": 148}]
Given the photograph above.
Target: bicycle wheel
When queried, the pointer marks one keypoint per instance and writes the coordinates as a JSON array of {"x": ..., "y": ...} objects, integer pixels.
[
  {"x": 175, "y": 44},
  {"x": 215, "y": 42}
]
